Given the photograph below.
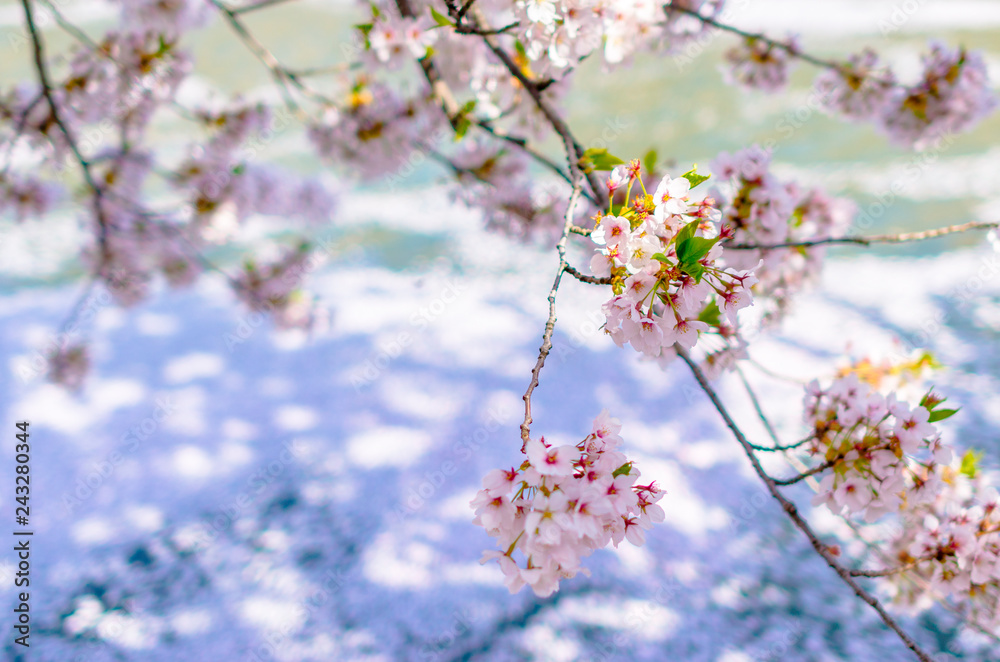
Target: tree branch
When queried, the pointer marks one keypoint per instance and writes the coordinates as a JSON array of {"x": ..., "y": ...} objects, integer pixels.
[
  {"x": 759, "y": 36},
  {"x": 88, "y": 176},
  {"x": 872, "y": 239},
  {"x": 584, "y": 278},
  {"x": 574, "y": 151},
  {"x": 452, "y": 110},
  {"x": 793, "y": 513},
  {"x": 891, "y": 571}
]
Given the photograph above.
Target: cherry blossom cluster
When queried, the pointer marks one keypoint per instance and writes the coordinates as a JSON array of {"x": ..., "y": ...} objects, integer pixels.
[
  {"x": 26, "y": 197},
  {"x": 881, "y": 456},
  {"x": 68, "y": 365},
  {"x": 760, "y": 209},
  {"x": 663, "y": 254},
  {"x": 760, "y": 64},
  {"x": 563, "y": 503},
  {"x": 375, "y": 131},
  {"x": 952, "y": 95},
  {"x": 950, "y": 545},
  {"x": 497, "y": 180},
  {"x": 108, "y": 95},
  {"x": 224, "y": 187},
  {"x": 275, "y": 287},
  {"x": 120, "y": 83},
  {"x": 559, "y": 33},
  {"x": 170, "y": 17},
  {"x": 875, "y": 448},
  {"x": 394, "y": 40}
]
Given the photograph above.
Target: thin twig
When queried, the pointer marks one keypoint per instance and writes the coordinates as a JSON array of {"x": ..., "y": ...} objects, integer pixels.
[
  {"x": 819, "y": 468},
  {"x": 792, "y": 511},
  {"x": 282, "y": 76},
  {"x": 550, "y": 323},
  {"x": 872, "y": 239},
  {"x": 584, "y": 278},
  {"x": 888, "y": 572},
  {"x": 759, "y": 36},
  {"x": 453, "y": 111}
]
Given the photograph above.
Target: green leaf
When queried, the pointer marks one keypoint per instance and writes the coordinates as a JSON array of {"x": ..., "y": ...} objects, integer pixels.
[
  {"x": 649, "y": 161},
  {"x": 710, "y": 315},
  {"x": 941, "y": 414},
  {"x": 366, "y": 29},
  {"x": 693, "y": 269},
  {"x": 686, "y": 232},
  {"x": 519, "y": 47},
  {"x": 441, "y": 19},
  {"x": 462, "y": 121},
  {"x": 690, "y": 249},
  {"x": 623, "y": 470},
  {"x": 969, "y": 461},
  {"x": 693, "y": 176},
  {"x": 660, "y": 257},
  {"x": 695, "y": 248},
  {"x": 599, "y": 159}
]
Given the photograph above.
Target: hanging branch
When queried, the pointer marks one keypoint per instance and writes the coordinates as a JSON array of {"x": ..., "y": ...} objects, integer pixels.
[
  {"x": 792, "y": 511},
  {"x": 550, "y": 323},
  {"x": 88, "y": 176}
]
